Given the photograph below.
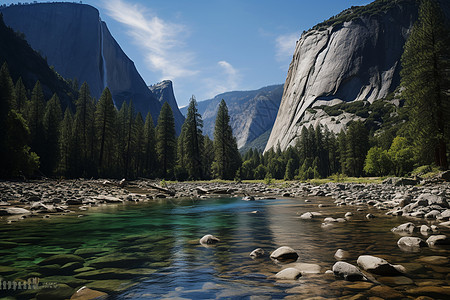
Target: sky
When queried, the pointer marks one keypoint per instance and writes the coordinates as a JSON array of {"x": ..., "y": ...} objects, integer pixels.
[{"x": 207, "y": 47}]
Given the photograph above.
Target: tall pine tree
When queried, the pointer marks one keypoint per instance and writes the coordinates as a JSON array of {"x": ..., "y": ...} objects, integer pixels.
[
  {"x": 35, "y": 118},
  {"x": 227, "y": 159},
  {"x": 105, "y": 118},
  {"x": 426, "y": 81},
  {"x": 192, "y": 143},
  {"x": 165, "y": 141},
  {"x": 52, "y": 121},
  {"x": 150, "y": 164}
]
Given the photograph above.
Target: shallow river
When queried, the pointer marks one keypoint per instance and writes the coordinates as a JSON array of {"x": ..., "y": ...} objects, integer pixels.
[{"x": 163, "y": 259}]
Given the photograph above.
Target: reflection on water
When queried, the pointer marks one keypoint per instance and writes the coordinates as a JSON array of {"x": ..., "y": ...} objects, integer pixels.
[{"x": 159, "y": 241}]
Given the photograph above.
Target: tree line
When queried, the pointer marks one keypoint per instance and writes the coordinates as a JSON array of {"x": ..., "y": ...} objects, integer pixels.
[{"x": 99, "y": 140}]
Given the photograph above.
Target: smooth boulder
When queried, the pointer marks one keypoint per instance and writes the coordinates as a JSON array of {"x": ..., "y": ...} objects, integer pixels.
[
  {"x": 209, "y": 239},
  {"x": 85, "y": 293},
  {"x": 436, "y": 240},
  {"x": 288, "y": 274},
  {"x": 377, "y": 265},
  {"x": 347, "y": 271},
  {"x": 411, "y": 242},
  {"x": 284, "y": 253},
  {"x": 259, "y": 252}
]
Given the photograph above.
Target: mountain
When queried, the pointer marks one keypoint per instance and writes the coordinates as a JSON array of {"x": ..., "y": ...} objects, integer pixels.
[
  {"x": 353, "y": 56},
  {"x": 163, "y": 91},
  {"x": 251, "y": 112},
  {"x": 24, "y": 62},
  {"x": 73, "y": 39}
]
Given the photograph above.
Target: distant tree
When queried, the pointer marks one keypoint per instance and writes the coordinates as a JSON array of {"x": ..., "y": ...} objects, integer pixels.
[
  {"x": 35, "y": 117},
  {"x": 357, "y": 141},
  {"x": 21, "y": 96},
  {"x": 105, "y": 117},
  {"x": 226, "y": 156},
  {"x": 149, "y": 147},
  {"x": 377, "y": 162},
  {"x": 260, "y": 172},
  {"x": 208, "y": 157},
  {"x": 290, "y": 170},
  {"x": 402, "y": 156},
  {"x": 426, "y": 81},
  {"x": 65, "y": 144},
  {"x": 138, "y": 152},
  {"x": 52, "y": 121},
  {"x": 165, "y": 140}
]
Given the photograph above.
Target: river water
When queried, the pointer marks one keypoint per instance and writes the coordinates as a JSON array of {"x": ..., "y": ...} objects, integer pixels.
[{"x": 172, "y": 264}]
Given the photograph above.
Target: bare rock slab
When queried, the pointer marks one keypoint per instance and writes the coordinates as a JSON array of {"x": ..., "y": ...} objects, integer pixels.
[
  {"x": 284, "y": 252},
  {"x": 377, "y": 265}
]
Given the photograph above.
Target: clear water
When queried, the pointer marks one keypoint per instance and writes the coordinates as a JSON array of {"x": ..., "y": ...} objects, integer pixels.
[{"x": 166, "y": 235}]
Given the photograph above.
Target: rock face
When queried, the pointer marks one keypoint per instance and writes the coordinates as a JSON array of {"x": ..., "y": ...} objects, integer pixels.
[
  {"x": 78, "y": 44},
  {"x": 163, "y": 91},
  {"x": 349, "y": 61},
  {"x": 252, "y": 113}
]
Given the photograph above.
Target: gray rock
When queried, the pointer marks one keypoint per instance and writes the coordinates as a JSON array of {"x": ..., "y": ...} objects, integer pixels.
[
  {"x": 411, "y": 242},
  {"x": 425, "y": 230},
  {"x": 4, "y": 211},
  {"x": 307, "y": 216},
  {"x": 436, "y": 240},
  {"x": 209, "y": 239},
  {"x": 347, "y": 271},
  {"x": 284, "y": 252},
  {"x": 377, "y": 265},
  {"x": 306, "y": 268},
  {"x": 248, "y": 198},
  {"x": 341, "y": 254},
  {"x": 288, "y": 274},
  {"x": 405, "y": 227},
  {"x": 259, "y": 252},
  {"x": 432, "y": 214}
]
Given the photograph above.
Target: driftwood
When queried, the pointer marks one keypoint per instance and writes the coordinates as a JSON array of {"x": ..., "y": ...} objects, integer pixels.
[{"x": 164, "y": 190}]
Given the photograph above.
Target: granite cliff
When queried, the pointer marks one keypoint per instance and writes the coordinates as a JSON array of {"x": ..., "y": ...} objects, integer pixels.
[
  {"x": 75, "y": 41},
  {"x": 252, "y": 113},
  {"x": 354, "y": 56}
]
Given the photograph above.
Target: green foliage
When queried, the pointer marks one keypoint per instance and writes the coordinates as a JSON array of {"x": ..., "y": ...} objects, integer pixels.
[
  {"x": 105, "y": 117},
  {"x": 165, "y": 141},
  {"x": 402, "y": 156},
  {"x": 227, "y": 159},
  {"x": 52, "y": 121},
  {"x": 260, "y": 172},
  {"x": 150, "y": 161},
  {"x": 377, "y": 162},
  {"x": 426, "y": 81}
]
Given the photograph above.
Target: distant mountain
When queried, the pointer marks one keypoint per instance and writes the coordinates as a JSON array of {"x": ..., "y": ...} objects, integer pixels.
[
  {"x": 163, "y": 91},
  {"x": 252, "y": 113},
  {"x": 78, "y": 44},
  {"x": 354, "y": 56},
  {"x": 24, "y": 62}
]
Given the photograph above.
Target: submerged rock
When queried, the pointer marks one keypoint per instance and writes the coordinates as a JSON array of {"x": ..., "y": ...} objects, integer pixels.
[
  {"x": 341, "y": 254},
  {"x": 85, "y": 293},
  {"x": 440, "y": 239},
  {"x": 411, "y": 242},
  {"x": 405, "y": 227},
  {"x": 259, "y": 252},
  {"x": 209, "y": 239},
  {"x": 61, "y": 259},
  {"x": 284, "y": 253},
  {"x": 288, "y": 274}
]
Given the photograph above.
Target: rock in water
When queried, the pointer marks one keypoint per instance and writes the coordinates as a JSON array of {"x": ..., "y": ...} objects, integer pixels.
[
  {"x": 288, "y": 274},
  {"x": 209, "y": 239},
  {"x": 411, "y": 242},
  {"x": 347, "y": 271},
  {"x": 341, "y": 254},
  {"x": 377, "y": 265},
  {"x": 405, "y": 227},
  {"x": 284, "y": 253},
  {"x": 85, "y": 293},
  {"x": 259, "y": 252},
  {"x": 436, "y": 240}
]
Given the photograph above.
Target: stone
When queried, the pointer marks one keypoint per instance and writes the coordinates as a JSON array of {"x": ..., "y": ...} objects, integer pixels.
[
  {"x": 385, "y": 292},
  {"x": 85, "y": 293},
  {"x": 71, "y": 266},
  {"x": 117, "y": 260},
  {"x": 306, "y": 268},
  {"x": 209, "y": 239},
  {"x": 348, "y": 214},
  {"x": 370, "y": 216},
  {"x": 284, "y": 252},
  {"x": 59, "y": 292},
  {"x": 405, "y": 227},
  {"x": 61, "y": 259},
  {"x": 432, "y": 214},
  {"x": 425, "y": 230},
  {"x": 377, "y": 265},
  {"x": 307, "y": 216},
  {"x": 288, "y": 274},
  {"x": 436, "y": 240},
  {"x": 445, "y": 224},
  {"x": 396, "y": 280},
  {"x": 411, "y": 242},
  {"x": 69, "y": 280},
  {"x": 437, "y": 292},
  {"x": 111, "y": 285},
  {"x": 4, "y": 211},
  {"x": 434, "y": 260},
  {"x": 87, "y": 252},
  {"x": 114, "y": 273},
  {"x": 259, "y": 252},
  {"x": 341, "y": 254},
  {"x": 347, "y": 271},
  {"x": 248, "y": 198}
]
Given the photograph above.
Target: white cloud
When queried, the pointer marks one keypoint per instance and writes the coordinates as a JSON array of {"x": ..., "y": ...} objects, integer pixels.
[
  {"x": 285, "y": 46},
  {"x": 227, "y": 79},
  {"x": 161, "y": 41}
]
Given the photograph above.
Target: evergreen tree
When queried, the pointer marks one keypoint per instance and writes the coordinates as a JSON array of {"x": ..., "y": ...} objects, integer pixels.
[
  {"x": 35, "y": 117},
  {"x": 52, "y": 121},
  {"x": 290, "y": 170},
  {"x": 138, "y": 155},
  {"x": 65, "y": 144},
  {"x": 149, "y": 147},
  {"x": 21, "y": 96},
  {"x": 105, "y": 117},
  {"x": 208, "y": 157},
  {"x": 192, "y": 142},
  {"x": 426, "y": 81},
  {"x": 226, "y": 156},
  {"x": 357, "y": 147},
  {"x": 130, "y": 131},
  {"x": 165, "y": 140},
  {"x": 84, "y": 122}
]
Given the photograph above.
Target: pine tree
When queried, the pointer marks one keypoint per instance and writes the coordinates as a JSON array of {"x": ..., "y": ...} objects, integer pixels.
[
  {"x": 65, "y": 144},
  {"x": 357, "y": 147},
  {"x": 149, "y": 147},
  {"x": 227, "y": 159},
  {"x": 52, "y": 121},
  {"x": 105, "y": 118},
  {"x": 35, "y": 116},
  {"x": 165, "y": 140},
  {"x": 138, "y": 155},
  {"x": 192, "y": 142},
  {"x": 426, "y": 81},
  {"x": 85, "y": 130},
  {"x": 208, "y": 156},
  {"x": 21, "y": 96},
  {"x": 130, "y": 136}
]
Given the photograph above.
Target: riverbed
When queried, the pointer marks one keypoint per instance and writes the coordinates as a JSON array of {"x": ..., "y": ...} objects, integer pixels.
[{"x": 152, "y": 251}]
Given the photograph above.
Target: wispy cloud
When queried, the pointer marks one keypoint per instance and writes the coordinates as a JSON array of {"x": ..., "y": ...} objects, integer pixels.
[
  {"x": 227, "y": 79},
  {"x": 285, "y": 46},
  {"x": 160, "y": 40}
]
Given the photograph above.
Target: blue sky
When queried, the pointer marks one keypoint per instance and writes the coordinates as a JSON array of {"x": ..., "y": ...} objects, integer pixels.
[{"x": 207, "y": 47}]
